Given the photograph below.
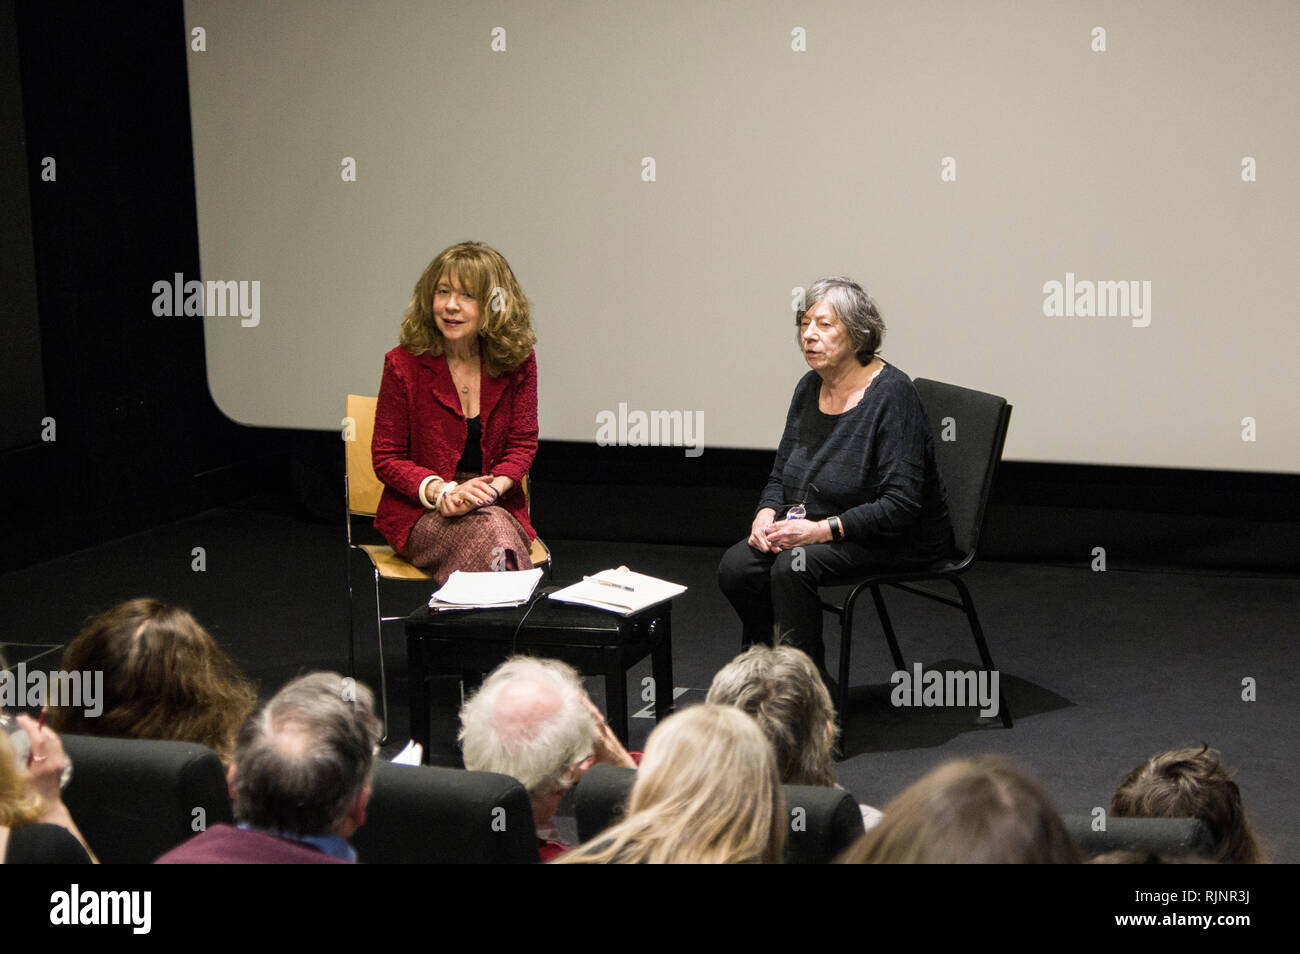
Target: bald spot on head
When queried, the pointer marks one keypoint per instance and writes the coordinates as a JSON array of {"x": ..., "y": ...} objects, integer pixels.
[
  {"x": 522, "y": 707},
  {"x": 291, "y": 739}
]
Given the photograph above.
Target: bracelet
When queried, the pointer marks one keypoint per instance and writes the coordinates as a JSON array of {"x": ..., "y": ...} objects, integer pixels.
[{"x": 837, "y": 529}]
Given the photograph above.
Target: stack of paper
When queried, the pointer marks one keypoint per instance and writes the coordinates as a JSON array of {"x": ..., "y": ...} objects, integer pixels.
[
  {"x": 486, "y": 590},
  {"x": 619, "y": 591}
]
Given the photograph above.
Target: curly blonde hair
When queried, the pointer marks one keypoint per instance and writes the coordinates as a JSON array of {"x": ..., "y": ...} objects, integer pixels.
[
  {"x": 165, "y": 677},
  {"x": 707, "y": 792},
  {"x": 506, "y": 337}
]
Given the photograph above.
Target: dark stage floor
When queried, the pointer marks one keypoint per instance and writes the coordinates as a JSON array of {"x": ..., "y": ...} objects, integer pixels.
[{"x": 1100, "y": 669}]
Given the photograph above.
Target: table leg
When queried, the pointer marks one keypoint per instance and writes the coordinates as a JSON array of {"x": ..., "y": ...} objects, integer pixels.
[
  {"x": 661, "y": 661},
  {"x": 418, "y": 694},
  {"x": 616, "y": 694}
]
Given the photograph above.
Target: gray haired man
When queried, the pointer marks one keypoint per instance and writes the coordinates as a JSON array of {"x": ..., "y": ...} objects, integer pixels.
[
  {"x": 300, "y": 781},
  {"x": 532, "y": 719}
]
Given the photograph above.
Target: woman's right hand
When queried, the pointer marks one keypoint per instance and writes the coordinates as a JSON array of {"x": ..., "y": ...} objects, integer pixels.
[
  {"x": 758, "y": 532},
  {"x": 46, "y": 761}
]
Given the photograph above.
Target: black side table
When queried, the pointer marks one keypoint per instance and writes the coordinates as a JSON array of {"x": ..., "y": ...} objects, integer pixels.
[{"x": 467, "y": 644}]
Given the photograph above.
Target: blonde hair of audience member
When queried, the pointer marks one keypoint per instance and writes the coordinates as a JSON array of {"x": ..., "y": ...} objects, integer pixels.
[
  {"x": 973, "y": 811},
  {"x": 165, "y": 677},
  {"x": 707, "y": 792},
  {"x": 1191, "y": 783},
  {"x": 19, "y": 803},
  {"x": 781, "y": 689}
]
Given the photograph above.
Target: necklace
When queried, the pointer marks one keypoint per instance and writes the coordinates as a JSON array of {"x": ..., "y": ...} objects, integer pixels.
[{"x": 464, "y": 388}]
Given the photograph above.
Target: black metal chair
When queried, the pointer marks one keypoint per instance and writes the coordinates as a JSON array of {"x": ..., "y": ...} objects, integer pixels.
[{"x": 970, "y": 428}]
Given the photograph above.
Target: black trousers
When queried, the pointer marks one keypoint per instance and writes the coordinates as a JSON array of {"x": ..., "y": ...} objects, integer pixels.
[{"x": 780, "y": 590}]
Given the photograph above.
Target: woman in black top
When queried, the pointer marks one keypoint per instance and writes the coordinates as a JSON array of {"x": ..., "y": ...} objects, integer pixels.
[
  {"x": 854, "y": 488},
  {"x": 35, "y": 826}
]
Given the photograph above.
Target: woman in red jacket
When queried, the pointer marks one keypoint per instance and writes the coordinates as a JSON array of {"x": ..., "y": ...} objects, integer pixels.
[{"x": 456, "y": 422}]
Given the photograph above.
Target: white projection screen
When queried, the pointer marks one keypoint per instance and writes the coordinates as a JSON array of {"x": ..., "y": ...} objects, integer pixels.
[{"x": 954, "y": 157}]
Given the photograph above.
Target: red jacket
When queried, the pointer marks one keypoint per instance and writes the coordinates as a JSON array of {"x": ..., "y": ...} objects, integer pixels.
[{"x": 421, "y": 430}]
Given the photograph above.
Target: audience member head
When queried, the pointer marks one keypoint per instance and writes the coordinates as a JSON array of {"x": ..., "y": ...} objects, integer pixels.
[
  {"x": 531, "y": 720},
  {"x": 780, "y": 688},
  {"x": 707, "y": 792},
  {"x": 1191, "y": 783},
  {"x": 303, "y": 764},
  {"x": 164, "y": 678},
  {"x": 973, "y": 811}
]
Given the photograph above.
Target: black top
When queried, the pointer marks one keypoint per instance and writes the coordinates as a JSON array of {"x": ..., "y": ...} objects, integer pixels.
[
  {"x": 872, "y": 465},
  {"x": 471, "y": 459},
  {"x": 41, "y": 844}
]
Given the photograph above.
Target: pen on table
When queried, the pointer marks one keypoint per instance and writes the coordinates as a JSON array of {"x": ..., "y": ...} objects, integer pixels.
[{"x": 617, "y": 586}]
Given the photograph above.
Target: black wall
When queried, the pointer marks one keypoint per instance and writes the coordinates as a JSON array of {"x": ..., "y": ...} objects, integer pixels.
[{"x": 138, "y": 439}]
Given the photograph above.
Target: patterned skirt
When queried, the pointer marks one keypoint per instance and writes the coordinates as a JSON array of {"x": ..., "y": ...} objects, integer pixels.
[{"x": 488, "y": 538}]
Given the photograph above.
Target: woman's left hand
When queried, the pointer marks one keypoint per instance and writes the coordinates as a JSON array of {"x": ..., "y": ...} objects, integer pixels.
[
  {"x": 784, "y": 534},
  {"x": 475, "y": 492}
]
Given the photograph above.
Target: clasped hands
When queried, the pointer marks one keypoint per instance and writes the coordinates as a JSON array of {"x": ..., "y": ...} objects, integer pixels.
[
  {"x": 456, "y": 500},
  {"x": 769, "y": 535}
]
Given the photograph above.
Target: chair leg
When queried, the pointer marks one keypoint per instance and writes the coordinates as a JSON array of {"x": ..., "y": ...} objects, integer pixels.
[
  {"x": 978, "y": 632},
  {"x": 383, "y": 679},
  {"x": 846, "y": 644},
  {"x": 352, "y": 609},
  {"x": 887, "y": 625}
]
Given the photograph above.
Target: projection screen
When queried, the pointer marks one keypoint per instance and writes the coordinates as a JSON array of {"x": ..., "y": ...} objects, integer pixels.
[{"x": 1089, "y": 208}]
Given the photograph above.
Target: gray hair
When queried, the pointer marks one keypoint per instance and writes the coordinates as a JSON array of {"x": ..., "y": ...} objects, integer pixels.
[
  {"x": 529, "y": 720},
  {"x": 302, "y": 760},
  {"x": 781, "y": 688},
  {"x": 854, "y": 307}
]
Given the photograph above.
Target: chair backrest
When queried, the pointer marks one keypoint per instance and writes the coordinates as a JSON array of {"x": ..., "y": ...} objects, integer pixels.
[
  {"x": 135, "y": 799},
  {"x": 364, "y": 486},
  {"x": 1158, "y": 836},
  {"x": 975, "y": 424},
  {"x": 421, "y": 814},
  {"x": 828, "y": 820}
]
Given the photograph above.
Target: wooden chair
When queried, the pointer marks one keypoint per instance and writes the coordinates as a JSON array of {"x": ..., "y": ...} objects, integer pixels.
[{"x": 363, "y": 488}]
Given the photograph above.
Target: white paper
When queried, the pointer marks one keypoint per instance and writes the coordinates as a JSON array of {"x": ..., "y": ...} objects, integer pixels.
[
  {"x": 488, "y": 589},
  {"x": 620, "y": 591}
]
